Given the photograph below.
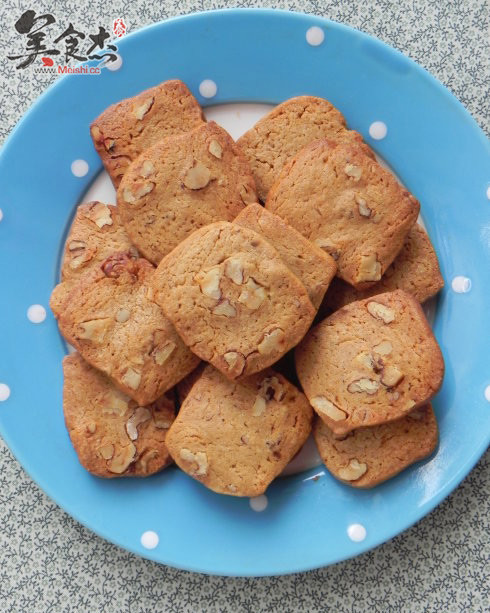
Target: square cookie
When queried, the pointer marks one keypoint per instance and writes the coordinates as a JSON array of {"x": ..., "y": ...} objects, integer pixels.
[
  {"x": 314, "y": 267},
  {"x": 414, "y": 270},
  {"x": 371, "y": 362},
  {"x": 124, "y": 130},
  {"x": 291, "y": 125},
  {"x": 368, "y": 456},
  {"x": 182, "y": 184},
  {"x": 96, "y": 233},
  {"x": 111, "y": 434},
  {"x": 236, "y": 437},
  {"x": 232, "y": 299},
  {"x": 110, "y": 320},
  {"x": 346, "y": 203}
]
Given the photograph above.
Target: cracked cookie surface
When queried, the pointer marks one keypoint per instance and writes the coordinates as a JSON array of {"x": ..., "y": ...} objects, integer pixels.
[
  {"x": 124, "y": 130},
  {"x": 291, "y": 125},
  {"x": 342, "y": 200},
  {"x": 232, "y": 299},
  {"x": 313, "y": 267},
  {"x": 368, "y": 456},
  {"x": 236, "y": 437},
  {"x": 181, "y": 184},
  {"x": 111, "y": 434},
  {"x": 118, "y": 329},
  {"x": 371, "y": 362}
]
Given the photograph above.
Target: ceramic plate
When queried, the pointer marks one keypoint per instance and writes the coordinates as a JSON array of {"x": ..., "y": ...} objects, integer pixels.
[{"x": 309, "y": 519}]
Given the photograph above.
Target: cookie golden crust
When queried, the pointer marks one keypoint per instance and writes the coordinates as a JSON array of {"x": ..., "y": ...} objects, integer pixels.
[
  {"x": 124, "y": 130},
  {"x": 236, "y": 437},
  {"x": 182, "y": 184},
  {"x": 232, "y": 299},
  {"x": 414, "y": 270},
  {"x": 313, "y": 267},
  {"x": 278, "y": 136},
  {"x": 113, "y": 324},
  {"x": 112, "y": 435},
  {"x": 369, "y": 456},
  {"x": 96, "y": 233},
  {"x": 369, "y": 363},
  {"x": 346, "y": 203}
]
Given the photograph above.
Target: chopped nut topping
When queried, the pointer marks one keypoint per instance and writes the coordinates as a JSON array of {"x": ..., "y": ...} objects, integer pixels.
[
  {"x": 147, "y": 457},
  {"x": 109, "y": 143},
  {"x": 139, "y": 417},
  {"x": 271, "y": 387},
  {"x": 122, "y": 459},
  {"x": 215, "y": 149},
  {"x": 122, "y": 315},
  {"x": 353, "y": 171},
  {"x": 106, "y": 451},
  {"x": 161, "y": 354},
  {"x": 391, "y": 376},
  {"x": 96, "y": 133},
  {"x": 234, "y": 270},
  {"x": 198, "y": 176},
  {"x": 132, "y": 378},
  {"x": 369, "y": 269},
  {"x": 323, "y": 405},
  {"x": 94, "y": 330},
  {"x": 369, "y": 386},
  {"x": 326, "y": 245},
  {"x": 138, "y": 191},
  {"x": 259, "y": 406},
  {"x": 140, "y": 111},
  {"x": 384, "y": 348},
  {"x": 272, "y": 341},
  {"x": 200, "y": 458},
  {"x": 147, "y": 169},
  {"x": 253, "y": 295},
  {"x": 114, "y": 265},
  {"x": 101, "y": 215},
  {"x": 224, "y": 308},
  {"x": 77, "y": 245},
  {"x": 235, "y": 361},
  {"x": 353, "y": 471},
  {"x": 209, "y": 282},
  {"x": 363, "y": 208},
  {"x": 381, "y": 311},
  {"x": 116, "y": 403},
  {"x": 91, "y": 427}
]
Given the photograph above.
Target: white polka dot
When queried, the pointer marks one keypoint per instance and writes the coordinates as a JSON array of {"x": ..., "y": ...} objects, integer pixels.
[
  {"x": 461, "y": 285},
  {"x": 378, "y": 130},
  {"x": 115, "y": 65},
  {"x": 4, "y": 392},
  {"x": 36, "y": 313},
  {"x": 1, "y": 214},
  {"x": 487, "y": 393},
  {"x": 208, "y": 88},
  {"x": 356, "y": 532},
  {"x": 79, "y": 168},
  {"x": 149, "y": 539},
  {"x": 259, "y": 503},
  {"x": 315, "y": 36},
  {"x": 488, "y": 192}
]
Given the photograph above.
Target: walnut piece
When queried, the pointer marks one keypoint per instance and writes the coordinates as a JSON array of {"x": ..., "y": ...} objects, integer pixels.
[
  {"x": 132, "y": 378},
  {"x": 100, "y": 214},
  {"x": 122, "y": 459},
  {"x": 162, "y": 353},
  {"x": 391, "y": 376},
  {"x": 106, "y": 451},
  {"x": 209, "y": 282},
  {"x": 94, "y": 330},
  {"x": 139, "y": 190},
  {"x": 234, "y": 270},
  {"x": 198, "y": 176},
  {"x": 139, "y": 417},
  {"x": 369, "y": 269},
  {"x": 140, "y": 111},
  {"x": 91, "y": 427},
  {"x": 259, "y": 406},
  {"x": 271, "y": 342},
  {"x": 383, "y": 348},
  {"x": 368, "y": 386},
  {"x": 224, "y": 308},
  {"x": 116, "y": 403},
  {"x": 323, "y": 405},
  {"x": 253, "y": 295},
  {"x": 76, "y": 245},
  {"x": 353, "y": 171},
  {"x": 147, "y": 457},
  {"x": 200, "y": 458},
  {"x": 123, "y": 315},
  {"x": 362, "y": 206},
  {"x": 381, "y": 311},
  {"x": 328, "y": 246},
  {"x": 147, "y": 169},
  {"x": 235, "y": 361},
  {"x": 215, "y": 149},
  {"x": 353, "y": 471},
  {"x": 272, "y": 388}
]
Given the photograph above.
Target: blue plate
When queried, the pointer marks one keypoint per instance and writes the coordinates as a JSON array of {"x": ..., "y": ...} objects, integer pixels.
[{"x": 433, "y": 145}]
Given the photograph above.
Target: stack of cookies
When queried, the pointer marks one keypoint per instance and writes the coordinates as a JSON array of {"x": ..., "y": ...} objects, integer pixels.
[{"x": 192, "y": 293}]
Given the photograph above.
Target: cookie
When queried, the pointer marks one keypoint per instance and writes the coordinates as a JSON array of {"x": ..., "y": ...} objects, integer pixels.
[
  {"x": 278, "y": 136},
  {"x": 96, "y": 233},
  {"x": 232, "y": 299},
  {"x": 124, "y": 130},
  {"x": 313, "y": 267},
  {"x": 184, "y": 387},
  {"x": 181, "y": 184},
  {"x": 341, "y": 199},
  {"x": 368, "y": 456},
  {"x": 111, "y": 434},
  {"x": 236, "y": 437},
  {"x": 110, "y": 320},
  {"x": 370, "y": 362},
  {"x": 414, "y": 270}
]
